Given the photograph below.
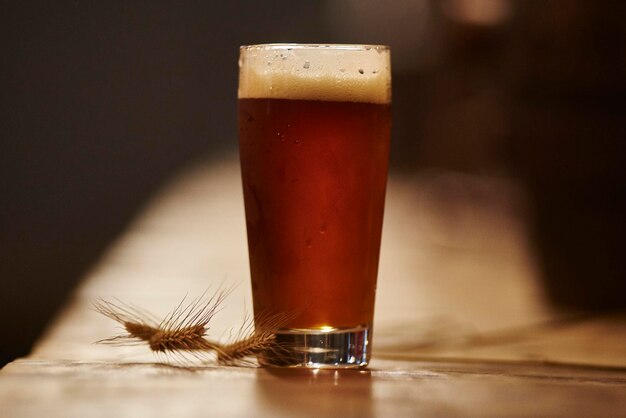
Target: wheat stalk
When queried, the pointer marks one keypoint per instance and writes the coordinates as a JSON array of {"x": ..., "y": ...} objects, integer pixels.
[
  {"x": 255, "y": 338},
  {"x": 184, "y": 331}
]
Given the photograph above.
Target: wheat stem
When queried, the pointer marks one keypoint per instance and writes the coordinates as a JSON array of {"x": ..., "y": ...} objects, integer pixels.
[{"x": 184, "y": 330}]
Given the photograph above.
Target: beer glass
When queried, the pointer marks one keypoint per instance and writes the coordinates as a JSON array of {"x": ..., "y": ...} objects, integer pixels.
[{"x": 314, "y": 128}]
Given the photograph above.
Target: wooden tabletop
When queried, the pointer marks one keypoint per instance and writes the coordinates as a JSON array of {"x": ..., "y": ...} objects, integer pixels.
[{"x": 461, "y": 329}]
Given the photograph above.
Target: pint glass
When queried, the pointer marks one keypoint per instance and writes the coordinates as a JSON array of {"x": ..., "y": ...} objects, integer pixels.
[{"x": 314, "y": 128}]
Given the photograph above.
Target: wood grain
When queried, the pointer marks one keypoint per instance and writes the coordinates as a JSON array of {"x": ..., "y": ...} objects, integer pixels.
[{"x": 461, "y": 325}]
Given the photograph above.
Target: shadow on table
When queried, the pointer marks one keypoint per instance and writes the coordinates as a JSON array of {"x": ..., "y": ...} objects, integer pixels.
[{"x": 288, "y": 392}]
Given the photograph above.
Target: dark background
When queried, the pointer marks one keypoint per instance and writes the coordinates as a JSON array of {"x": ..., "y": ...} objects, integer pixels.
[{"x": 101, "y": 102}]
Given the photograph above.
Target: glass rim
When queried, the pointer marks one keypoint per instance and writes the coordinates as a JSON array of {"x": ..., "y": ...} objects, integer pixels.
[{"x": 332, "y": 47}]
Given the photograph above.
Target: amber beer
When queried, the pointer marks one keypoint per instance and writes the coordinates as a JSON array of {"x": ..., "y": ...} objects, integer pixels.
[{"x": 314, "y": 146}]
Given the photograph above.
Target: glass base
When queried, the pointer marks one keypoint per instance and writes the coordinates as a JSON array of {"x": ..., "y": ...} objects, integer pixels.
[{"x": 320, "y": 348}]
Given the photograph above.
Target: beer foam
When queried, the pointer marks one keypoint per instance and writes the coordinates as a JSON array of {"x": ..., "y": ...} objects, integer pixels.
[{"x": 355, "y": 73}]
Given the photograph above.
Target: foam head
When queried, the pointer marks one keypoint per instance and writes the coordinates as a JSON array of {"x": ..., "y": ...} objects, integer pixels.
[{"x": 355, "y": 73}]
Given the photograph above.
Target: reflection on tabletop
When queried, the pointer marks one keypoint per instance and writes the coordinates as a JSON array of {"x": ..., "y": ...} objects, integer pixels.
[{"x": 461, "y": 324}]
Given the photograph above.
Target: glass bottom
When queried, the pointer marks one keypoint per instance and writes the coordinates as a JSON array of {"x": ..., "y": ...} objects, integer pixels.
[{"x": 320, "y": 348}]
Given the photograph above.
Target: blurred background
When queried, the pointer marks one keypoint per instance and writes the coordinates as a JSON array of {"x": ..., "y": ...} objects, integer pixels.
[{"x": 102, "y": 102}]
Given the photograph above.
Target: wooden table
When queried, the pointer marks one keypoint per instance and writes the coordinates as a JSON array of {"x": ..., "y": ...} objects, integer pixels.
[{"x": 461, "y": 325}]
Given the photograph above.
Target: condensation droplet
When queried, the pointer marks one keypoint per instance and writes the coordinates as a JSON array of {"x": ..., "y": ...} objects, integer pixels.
[
  {"x": 306, "y": 65},
  {"x": 323, "y": 228},
  {"x": 309, "y": 243}
]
